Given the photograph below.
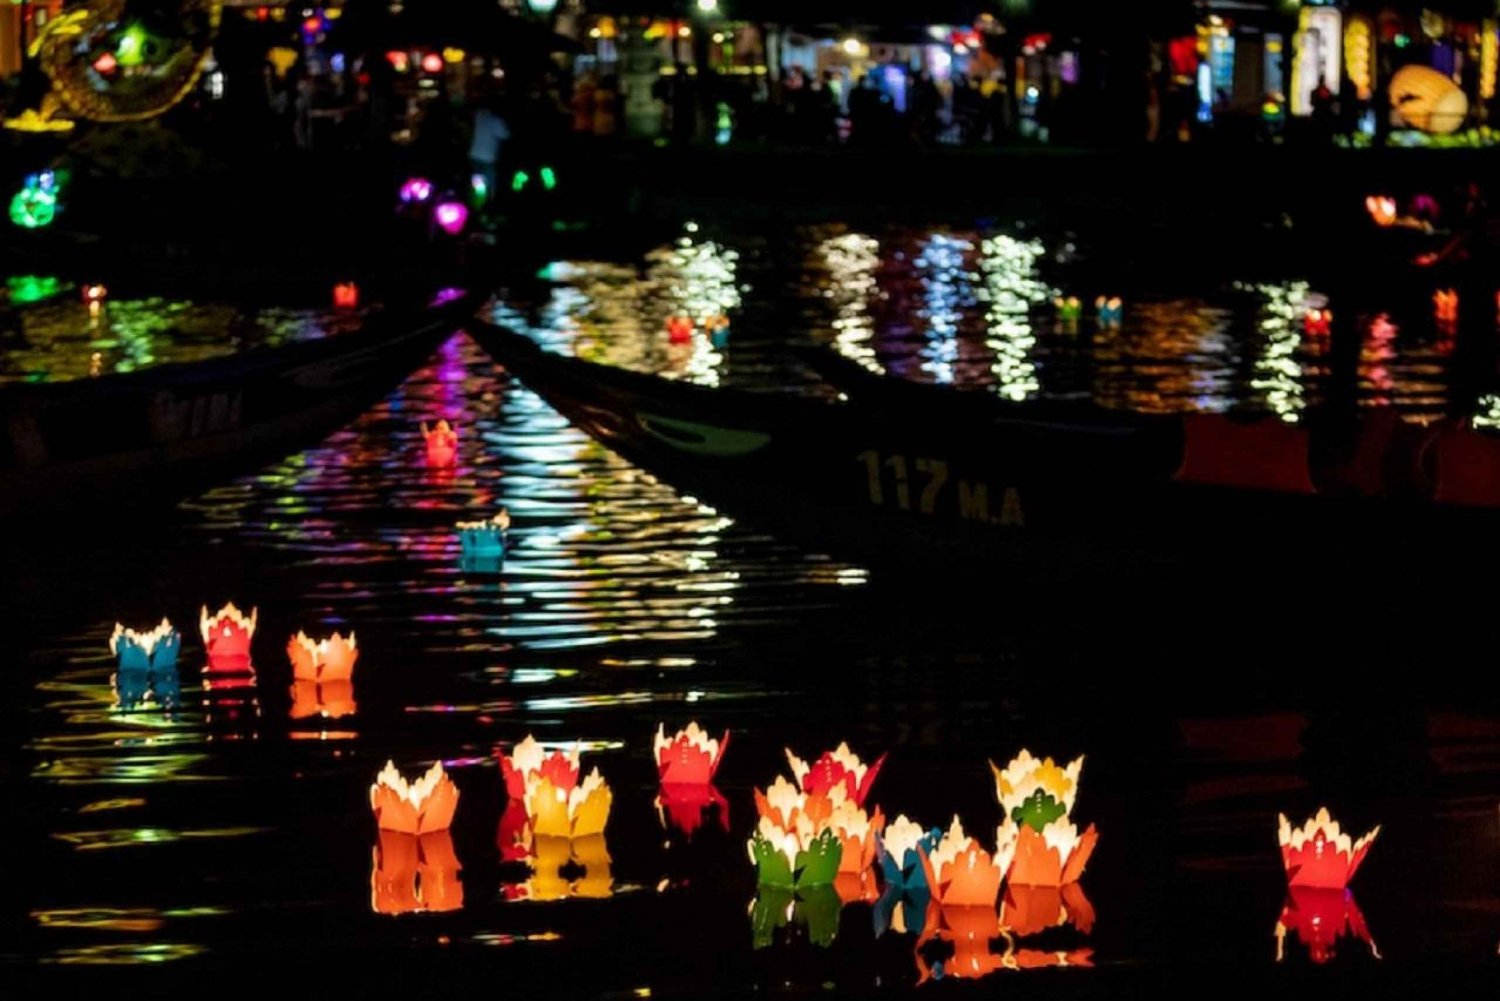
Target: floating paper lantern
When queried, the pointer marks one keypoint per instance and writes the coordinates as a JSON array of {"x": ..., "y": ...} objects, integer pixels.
[
  {"x": 451, "y": 216},
  {"x": 575, "y": 812},
  {"x": 345, "y": 295},
  {"x": 325, "y": 660},
  {"x": 432, "y": 63},
  {"x": 1054, "y": 856},
  {"x": 959, "y": 872},
  {"x": 35, "y": 205},
  {"x": 1319, "y": 917},
  {"x": 149, "y": 650},
  {"x": 794, "y": 858},
  {"x": 483, "y": 540},
  {"x": 93, "y": 294},
  {"x": 529, "y": 764},
  {"x": 1319, "y": 854},
  {"x": 1445, "y": 305},
  {"x": 416, "y": 190},
  {"x": 691, "y": 757},
  {"x": 1382, "y": 209},
  {"x": 1031, "y": 910},
  {"x": 858, "y": 833},
  {"x": 226, "y": 637},
  {"x": 679, "y": 330},
  {"x": 1317, "y": 322},
  {"x": 328, "y": 699},
  {"x": 1111, "y": 311},
  {"x": 1035, "y": 792},
  {"x": 411, "y": 874},
  {"x": 442, "y": 444},
  {"x": 856, "y": 886},
  {"x": 839, "y": 767},
  {"x": 1068, "y": 309},
  {"x": 901, "y": 847},
  {"x": 419, "y": 807},
  {"x": 686, "y": 807},
  {"x": 1428, "y": 100},
  {"x": 513, "y": 837}
]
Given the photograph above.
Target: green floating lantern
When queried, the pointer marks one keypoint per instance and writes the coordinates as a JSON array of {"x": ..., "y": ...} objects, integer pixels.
[
  {"x": 35, "y": 205},
  {"x": 781, "y": 860},
  {"x": 1038, "y": 810}
]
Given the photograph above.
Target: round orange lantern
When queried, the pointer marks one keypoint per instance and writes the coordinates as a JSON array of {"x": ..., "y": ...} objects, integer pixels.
[{"x": 1428, "y": 100}]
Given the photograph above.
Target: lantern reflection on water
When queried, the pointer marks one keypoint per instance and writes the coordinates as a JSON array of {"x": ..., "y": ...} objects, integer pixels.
[
  {"x": 812, "y": 910},
  {"x": 1319, "y": 917},
  {"x": 413, "y": 873},
  {"x": 686, "y": 807},
  {"x": 1031, "y": 910},
  {"x": 442, "y": 444},
  {"x": 325, "y": 660},
  {"x": 562, "y": 868},
  {"x": 226, "y": 638},
  {"x": 330, "y": 699},
  {"x": 482, "y": 542},
  {"x": 419, "y": 807}
]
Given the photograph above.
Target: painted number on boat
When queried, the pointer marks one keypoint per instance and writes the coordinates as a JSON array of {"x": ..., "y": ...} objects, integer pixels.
[
  {"x": 176, "y": 419},
  {"x": 923, "y": 485}
]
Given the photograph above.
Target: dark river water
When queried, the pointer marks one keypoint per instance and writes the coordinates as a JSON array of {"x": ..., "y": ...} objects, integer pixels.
[{"x": 235, "y": 832}]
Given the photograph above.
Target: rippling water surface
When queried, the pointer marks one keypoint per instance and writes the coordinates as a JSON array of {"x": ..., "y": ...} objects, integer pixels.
[{"x": 236, "y": 829}]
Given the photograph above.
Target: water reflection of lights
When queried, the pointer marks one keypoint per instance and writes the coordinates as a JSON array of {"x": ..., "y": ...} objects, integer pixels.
[
  {"x": 851, "y": 260},
  {"x": 1011, "y": 288},
  {"x": 1278, "y": 374},
  {"x": 947, "y": 291},
  {"x": 1175, "y": 356}
]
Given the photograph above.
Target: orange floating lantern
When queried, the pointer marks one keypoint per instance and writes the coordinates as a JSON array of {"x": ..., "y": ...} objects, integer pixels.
[
  {"x": 442, "y": 444},
  {"x": 414, "y": 873},
  {"x": 419, "y": 807},
  {"x": 1319, "y": 854},
  {"x": 959, "y": 872},
  {"x": 324, "y": 660},
  {"x": 345, "y": 295},
  {"x": 1445, "y": 305},
  {"x": 1382, "y": 209},
  {"x": 1040, "y": 842},
  {"x": 839, "y": 767},
  {"x": 691, "y": 757},
  {"x": 226, "y": 638},
  {"x": 1031, "y": 910}
]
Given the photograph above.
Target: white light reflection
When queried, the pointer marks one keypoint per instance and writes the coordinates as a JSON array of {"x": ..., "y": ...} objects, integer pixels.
[
  {"x": 851, "y": 260},
  {"x": 947, "y": 290},
  {"x": 1011, "y": 288},
  {"x": 1278, "y": 376}
]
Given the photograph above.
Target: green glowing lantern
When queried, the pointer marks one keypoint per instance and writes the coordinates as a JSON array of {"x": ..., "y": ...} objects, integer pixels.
[
  {"x": 35, "y": 205},
  {"x": 1038, "y": 810},
  {"x": 519, "y": 180},
  {"x": 133, "y": 46},
  {"x": 24, "y": 289},
  {"x": 549, "y": 179}
]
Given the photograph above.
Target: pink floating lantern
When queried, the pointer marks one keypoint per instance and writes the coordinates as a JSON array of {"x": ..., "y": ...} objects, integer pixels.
[
  {"x": 432, "y": 63},
  {"x": 415, "y": 190},
  {"x": 451, "y": 217},
  {"x": 226, "y": 638},
  {"x": 442, "y": 444},
  {"x": 691, "y": 757}
]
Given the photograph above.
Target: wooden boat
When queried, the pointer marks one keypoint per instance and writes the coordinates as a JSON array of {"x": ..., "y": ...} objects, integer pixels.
[
  {"x": 125, "y": 440},
  {"x": 948, "y": 498}
]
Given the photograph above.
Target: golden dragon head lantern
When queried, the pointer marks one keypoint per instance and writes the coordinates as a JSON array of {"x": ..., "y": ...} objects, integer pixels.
[{"x": 121, "y": 60}]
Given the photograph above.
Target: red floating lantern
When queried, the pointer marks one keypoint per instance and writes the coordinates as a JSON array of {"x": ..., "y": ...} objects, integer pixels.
[
  {"x": 442, "y": 444},
  {"x": 679, "y": 329},
  {"x": 691, "y": 757},
  {"x": 226, "y": 637},
  {"x": 1317, "y": 322},
  {"x": 346, "y": 295},
  {"x": 432, "y": 63}
]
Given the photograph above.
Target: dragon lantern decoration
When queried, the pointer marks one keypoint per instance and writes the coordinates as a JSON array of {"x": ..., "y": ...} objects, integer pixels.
[{"x": 120, "y": 60}]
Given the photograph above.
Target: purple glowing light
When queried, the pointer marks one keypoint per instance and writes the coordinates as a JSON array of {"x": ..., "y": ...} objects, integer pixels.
[
  {"x": 451, "y": 216},
  {"x": 416, "y": 189}
]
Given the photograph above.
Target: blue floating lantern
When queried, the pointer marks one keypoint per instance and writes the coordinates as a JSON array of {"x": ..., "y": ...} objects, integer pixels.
[
  {"x": 1110, "y": 310},
  {"x": 484, "y": 540},
  {"x": 151, "y": 650},
  {"x": 900, "y": 851}
]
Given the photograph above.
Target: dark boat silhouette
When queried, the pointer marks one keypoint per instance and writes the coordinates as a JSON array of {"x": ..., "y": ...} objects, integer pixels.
[{"x": 129, "y": 440}]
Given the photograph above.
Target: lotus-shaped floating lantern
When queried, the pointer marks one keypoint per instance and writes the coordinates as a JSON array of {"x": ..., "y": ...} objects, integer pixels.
[
  {"x": 840, "y": 767},
  {"x": 572, "y": 812},
  {"x": 794, "y": 858},
  {"x": 858, "y": 833},
  {"x": 691, "y": 757},
  {"x": 1055, "y": 856},
  {"x": 412, "y": 873},
  {"x": 901, "y": 847},
  {"x": 330, "y": 699},
  {"x": 1382, "y": 209},
  {"x": 1319, "y": 853},
  {"x": 420, "y": 807},
  {"x": 529, "y": 763},
  {"x": 442, "y": 444},
  {"x": 324, "y": 660},
  {"x": 1319, "y": 916},
  {"x": 1030, "y": 910},
  {"x": 514, "y": 835},
  {"x": 686, "y": 807},
  {"x": 1110, "y": 310},
  {"x": 959, "y": 872},
  {"x": 484, "y": 540},
  {"x": 226, "y": 638},
  {"x": 148, "y": 650},
  {"x": 1036, "y": 792}
]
